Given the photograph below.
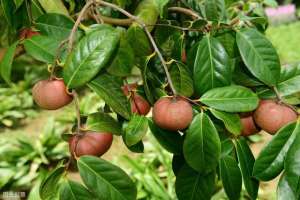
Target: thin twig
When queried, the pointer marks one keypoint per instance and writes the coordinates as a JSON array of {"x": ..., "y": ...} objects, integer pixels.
[
  {"x": 143, "y": 25},
  {"x": 176, "y": 27},
  {"x": 278, "y": 96},
  {"x": 77, "y": 23},
  {"x": 185, "y": 11},
  {"x": 280, "y": 100},
  {"x": 77, "y": 109}
]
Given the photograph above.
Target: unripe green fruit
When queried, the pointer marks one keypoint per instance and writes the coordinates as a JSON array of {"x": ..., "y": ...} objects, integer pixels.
[
  {"x": 51, "y": 94},
  {"x": 172, "y": 113},
  {"x": 271, "y": 116},
  {"x": 90, "y": 143}
]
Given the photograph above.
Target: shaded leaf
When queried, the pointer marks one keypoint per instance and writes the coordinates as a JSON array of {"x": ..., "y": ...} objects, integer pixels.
[
  {"x": 7, "y": 61},
  {"x": 135, "y": 130},
  {"x": 71, "y": 190}
]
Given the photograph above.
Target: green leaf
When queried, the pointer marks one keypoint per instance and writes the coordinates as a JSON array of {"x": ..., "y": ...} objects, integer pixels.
[
  {"x": 147, "y": 11},
  {"x": 105, "y": 180},
  {"x": 136, "y": 129},
  {"x": 192, "y": 185},
  {"x": 90, "y": 55},
  {"x": 231, "y": 121},
  {"x": 227, "y": 39},
  {"x": 71, "y": 190},
  {"x": 227, "y": 147},
  {"x": 270, "y": 161},
  {"x": 18, "y": 3},
  {"x": 181, "y": 78},
  {"x": 6, "y": 62},
  {"x": 54, "y": 6},
  {"x": 246, "y": 162},
  {"x": 231, "y": 177},
  {"x": 288, "y": 84},
  {"x": 54, "y": 25},
  {"x": 259, "y": 55},
  {"x": 109, "y": 89},
  {"x": 211, "y": 68},
  {"x": 42, "y": 48},
  {"x": 170, "y": 140},
  {"x": 284, "y": 190},
  {"x": 7, "y": 10},
  {"x": 242, "y": 76},
  {"x": 292, "y": 163},
  {"x": 202, "y": 146},
  {"x": 103, "y": 122},
  {"x": 123, "y": 62},
  {"x": 137, "y": 148},
  {"x": 215, "y": 10},
  {"x": 49, "y": 186},
  {"x": 231, "y": 99}
]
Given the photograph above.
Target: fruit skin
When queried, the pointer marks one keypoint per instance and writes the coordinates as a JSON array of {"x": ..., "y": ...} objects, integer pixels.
[
  {"x": 271, "y": 116},
  {"x": 172, "y": 113},
  {"x": 27, "y": 33},
  {"x": 139, "y": 105},
  {"x": 51, "y": 94},
  {"x": 90, "y": 143},
  {"x": 248, "y": 124}
]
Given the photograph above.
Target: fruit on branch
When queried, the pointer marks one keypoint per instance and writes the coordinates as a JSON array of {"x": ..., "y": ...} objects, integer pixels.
[
  {"x": 139, "y": 105},
  {"x": 271, "y": 115},
  {"x": 90, "y": 143},
  {"x": 183, "y": 56},
  {"x": 172, "y": 113},
  {"x": 27, "y": 33},
  {"x": 51, "y": 94},
  {"x": 248, "y": 125}
]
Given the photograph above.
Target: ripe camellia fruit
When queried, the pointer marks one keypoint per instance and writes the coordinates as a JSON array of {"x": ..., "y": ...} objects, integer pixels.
[
  {"x": 51, "y": 94},
  {"x": 90, "y": 143},
  {"x": 172, "y": 113},
  {"x": 248, "y": 125},
  {"x": 271, "y": 115},
  {"x": 27, "y": 33},
  {"x": 139, "y": 105}
]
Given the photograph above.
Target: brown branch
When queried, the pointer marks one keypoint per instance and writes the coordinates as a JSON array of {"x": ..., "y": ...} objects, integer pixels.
[{"x": 185, "y": 11}]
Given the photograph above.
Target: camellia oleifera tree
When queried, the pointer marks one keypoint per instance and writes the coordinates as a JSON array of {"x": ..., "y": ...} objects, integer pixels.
[{"x": 210, "y": 75}]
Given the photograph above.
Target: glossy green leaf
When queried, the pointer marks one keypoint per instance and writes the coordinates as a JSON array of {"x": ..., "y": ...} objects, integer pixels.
[
  {"x": 18, "y": 3},
  {"x": 211, "y": 67},
  {"x": 103, "y": 122},
  {"x": 202, "y": 146},
  {"x": 90, "y": 55},
  {"x": 181, "y": 78},
  {"x": 137, "y": 148},
  {"x": 105, "y": 180},
  {"x": 42, "y": 48},
  {"x": 109, "y": 89},
  {"x": 54, "y": 25},
  {"x": 231, "y": 121},
  {"x": 231, "y": 177},
  {"x": 292, "y": 163},
  {"x": 242, "y": 76},
  {"x": 7, "y": 61},
  {"x": 215, "y": 10},
  {"x": 135, "y": 130},
  {"x": 192, "y": 185},
  {"x": 270, "y": 161},
  {"x": 288, "y": 84},
  {"x": 147, "y": 11},
  {"x": 71, "y": 190},
  {"x": 7, "y": 10},
  {"x": 246, "y": 162},
  {"x": 49, "y": 186},
  {"x": 259, "y": 55},
  {"x": 172, "y": 141},
  {"x": 227, "y": 147},
  {"x": 284, "y": 190},
  {"x": 123, "y": 62},
  {"x": 227, "y": 39},
  {"x": 54, "y": 6},
  {"x": 231, "y": 99}
]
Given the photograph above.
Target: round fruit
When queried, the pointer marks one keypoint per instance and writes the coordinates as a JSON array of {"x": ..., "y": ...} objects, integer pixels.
[
  {"x": 90, "y": 143},
  {"x": 248, "y": 125},
  {"x": 139, "y": 105},
  {"x": 51, "y": 94},
  {"x": 172, "y": 113},
  {"x": 271, "y": 115}
]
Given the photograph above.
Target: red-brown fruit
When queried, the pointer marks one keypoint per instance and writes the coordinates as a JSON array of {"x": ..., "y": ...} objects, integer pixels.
[
  {"x": 129, "y": 87},
  {"x": 271, "y": 116},
  {"x": 139, "y": 105},
  {"x": 27, "y": 33},
  {"x": 51, "y": 94},
  {"x": 172, "y": 113},
  {"x": 248, "y": 126},
  {"x": 90, "y": 143},
  {"x": 183, "y": 56}
]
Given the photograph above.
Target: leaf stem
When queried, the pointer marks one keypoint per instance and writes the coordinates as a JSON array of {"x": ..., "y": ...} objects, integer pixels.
[
  {"x": 77, "y": 23},
  {"x": 143, "y": 25}
]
